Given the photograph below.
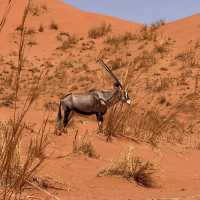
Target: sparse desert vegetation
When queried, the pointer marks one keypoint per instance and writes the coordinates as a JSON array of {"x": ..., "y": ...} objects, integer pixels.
[
  {"x": 50, "y": 51},
  {"x": 81, "y": 145},
  {"x": 99, "y": 31},
  {"x": 132, "y": 168}
]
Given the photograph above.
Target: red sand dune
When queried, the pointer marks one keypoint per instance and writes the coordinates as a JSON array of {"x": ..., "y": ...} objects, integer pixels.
[{"x": 178, "y": 166}]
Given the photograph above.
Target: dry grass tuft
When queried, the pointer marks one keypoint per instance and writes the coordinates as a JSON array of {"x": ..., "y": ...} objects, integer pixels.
[
  {"x": 116, "y": 120},
  {"x": 82, "y": 145},
  {"x": 189, "y": 58},
  {"x": 16, "y": 170},
  {"x": 147, "y": 34},
  {"x": 41, "y": 28},
  {"x": 99, "y": 31},
  {"x": 117, "y": 63},
  {"x": 122, "y": 39},
  {"x": 68, "y": 43},
  {"x": 41, "y": 142},
  {"x": 131, "y": 168},
  {"x": 153, "y": 127},
  {"x": 53, "y": 26},
  {"x": 145, "y": 60},
  {"x": 156, "y": 25},
  {"x": 5, "y": 15}
]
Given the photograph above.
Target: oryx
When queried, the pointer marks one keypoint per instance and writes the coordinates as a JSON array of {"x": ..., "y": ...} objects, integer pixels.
[{"x": 93, "y": 102}]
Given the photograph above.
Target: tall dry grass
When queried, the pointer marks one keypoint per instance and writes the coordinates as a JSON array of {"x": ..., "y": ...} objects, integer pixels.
[
  {"x": 15, "y": 169},
  {"x": 118, "y": 115},
  {"x": 116, "y": 120},
  {"x": 5, "y": 15},
  {"x": 148, "y": 125}
]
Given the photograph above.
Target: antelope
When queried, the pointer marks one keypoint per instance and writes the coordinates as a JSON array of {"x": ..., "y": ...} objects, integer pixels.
[{"x": 92, "y": 102}]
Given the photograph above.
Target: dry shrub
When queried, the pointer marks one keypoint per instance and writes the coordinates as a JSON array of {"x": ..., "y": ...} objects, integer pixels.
[
  {"x": 41, "y": 142},
  {"x": 189, "y": 58},
  {"x": 147, "y": 33},
  {"x": 122, "y": 39},
  {"x": 53, "y": 26},
  {"x": 15, "y": 171},
  {"x": 51, "y": 106},
  {"x": 159, "y": 84},
  {"x": 37, "y": 10},
  {"x": 68, "y": 43},
  {"x": 145, "y": 60},
  {"x": 30, "y": 31},
  {"x": 41, "y": 28},
  {"x": 152, "y": 127},
  {"x": 117, "y": 63},
  {"x": 7, "y": 100},
  {"x": 99, "y": 31},
  {"x": 156, "y": 25},
  {"x": 118, "y": 114},
  {"x": 132, "y": 168},
  {"x": 116, "y": 120},
  {"x": 66, "y": 64},
  {"x": 81, "y": 145},
  {"x": 148, "y": 126},
  {"x": 161, "y": 48}
]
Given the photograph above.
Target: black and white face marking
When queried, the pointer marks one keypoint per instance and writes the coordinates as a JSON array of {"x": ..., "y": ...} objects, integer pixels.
[{"x": 126, "y": 97}]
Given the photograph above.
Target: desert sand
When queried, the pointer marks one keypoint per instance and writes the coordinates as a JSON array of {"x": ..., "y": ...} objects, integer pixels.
[{"x": 161, "y": 65}]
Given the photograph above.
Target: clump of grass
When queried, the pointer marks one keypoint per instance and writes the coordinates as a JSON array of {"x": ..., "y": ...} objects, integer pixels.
[
  {"x": 99, "y": 31},
  {"x": 156, "y": 25},
  {"x": 7, "y": 100},
  {"x": 51, "y": 106},
  {"x": 120, "y": 39},
  {"x": 53, "y": 26},
  {"x": 67, "y": 64},
  {"x": 132, "y": 168},
  {"x": 81, "y": 145},
  {"x": 41, "y": 28},
  {"x": 117, "y": 63},
  {"x": 189, "y": 58},
  {"x": 153, "y": 127},
  {"x": 68, "y": 43},
  {"x": 32, "y": 43},
  {"x": 159, "y": 84},
  {"x": 161, "y": 48},
  {"x": 147, "y": 34},
  {"x": 15, "y": 171},
  {"x": 34, "y": 10},
  {"x": 40, "y": 142},
  {"x": 37, "y": 10},
  {"x": 30, "y": 31},
  {"x": 145, "y": 60},
  {"x": 116, "y": 120}
]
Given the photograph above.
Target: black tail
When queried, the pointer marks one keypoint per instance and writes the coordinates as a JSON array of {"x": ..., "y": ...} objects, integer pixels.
[{"x": 59, "y": 117}]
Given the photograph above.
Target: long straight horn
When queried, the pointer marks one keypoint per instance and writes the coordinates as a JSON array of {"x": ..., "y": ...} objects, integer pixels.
[{"x": 100, "y": 61}]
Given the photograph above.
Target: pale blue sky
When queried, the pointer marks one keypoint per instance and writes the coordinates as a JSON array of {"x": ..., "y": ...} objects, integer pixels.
[{"x": 142, "y": 11}]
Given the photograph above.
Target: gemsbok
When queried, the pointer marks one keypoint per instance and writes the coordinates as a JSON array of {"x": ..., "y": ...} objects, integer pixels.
[{"x": 93, "y": 102}]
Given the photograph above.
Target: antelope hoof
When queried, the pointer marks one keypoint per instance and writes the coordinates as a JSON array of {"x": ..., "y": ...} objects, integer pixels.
[
  {"x": 58, "y": 132},
  {"x": 100, "y": 131}
]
